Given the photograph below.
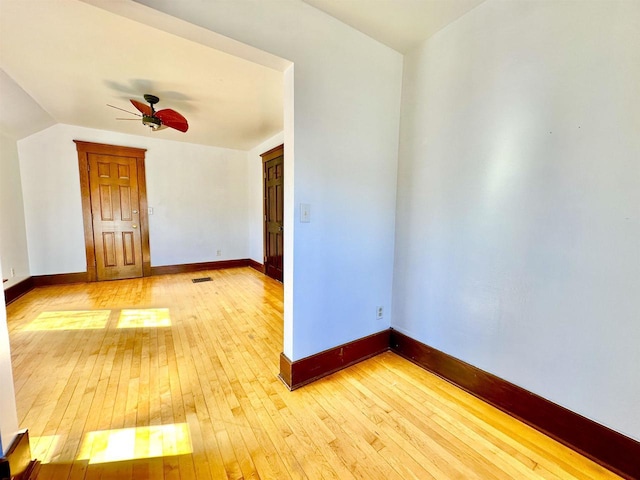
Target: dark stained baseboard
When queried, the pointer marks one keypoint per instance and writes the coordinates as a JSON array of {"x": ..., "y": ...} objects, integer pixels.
[
  {"x": 197, "y": 267},
  {"x": 256, "y": 265},
  {"x": 59, "y": 279},
  {"x": 14, "y": 292},
  {"x": 611, "y": 449},
  {"x": 17, "y": 464},
  {"x": 306, "y": 370}
]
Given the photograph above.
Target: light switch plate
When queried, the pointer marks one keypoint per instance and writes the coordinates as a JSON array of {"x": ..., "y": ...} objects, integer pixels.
[{"x": 305, "y": 213}]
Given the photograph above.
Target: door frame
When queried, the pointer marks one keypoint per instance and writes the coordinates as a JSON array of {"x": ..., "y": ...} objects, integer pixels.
[
  {"x": 84, "y": 149},
  {"x": 275, "y": 152}
]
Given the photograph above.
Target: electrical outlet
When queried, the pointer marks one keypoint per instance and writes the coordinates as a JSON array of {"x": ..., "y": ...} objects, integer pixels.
[
  {"x": 379, "y": 313},
  {"x": 218, "y": 253},
  {"x": 13, "y": 272}
]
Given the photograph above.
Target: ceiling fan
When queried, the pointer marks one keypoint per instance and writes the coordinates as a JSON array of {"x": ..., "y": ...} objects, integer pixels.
[{"x": 156, "y": 120}]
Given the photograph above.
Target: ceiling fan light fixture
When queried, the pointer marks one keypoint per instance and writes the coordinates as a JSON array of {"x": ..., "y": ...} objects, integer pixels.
[{"x": 153, "y": 123}]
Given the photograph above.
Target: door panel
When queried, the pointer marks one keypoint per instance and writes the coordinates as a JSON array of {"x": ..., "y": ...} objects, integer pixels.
[
  {"x": 129, "y": 248},
  {"x": 109, "y": 249},
  {"x": 115, "y": 216},
  {"x": 274, "y": 212}
]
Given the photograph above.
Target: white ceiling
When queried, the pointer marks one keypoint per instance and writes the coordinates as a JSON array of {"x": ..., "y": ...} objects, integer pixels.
[
  {"x": 62, "y": 61},
  {"x": 399, "y": 24},
  {"x": 72, "y": 59}
]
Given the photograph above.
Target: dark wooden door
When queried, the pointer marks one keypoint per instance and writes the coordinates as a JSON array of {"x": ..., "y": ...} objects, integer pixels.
[
  {"x": 273, "y": 164},
  {"x": 115, "y": 209}
]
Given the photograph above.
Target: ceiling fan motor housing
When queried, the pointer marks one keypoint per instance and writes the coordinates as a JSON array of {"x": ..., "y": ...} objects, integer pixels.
[{"x": 153, "y": 122}]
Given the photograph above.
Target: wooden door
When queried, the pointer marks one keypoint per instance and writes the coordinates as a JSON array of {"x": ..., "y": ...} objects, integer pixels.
[
  {"x": 273, "y": 167},
  {"x": 115, "y": 211}
]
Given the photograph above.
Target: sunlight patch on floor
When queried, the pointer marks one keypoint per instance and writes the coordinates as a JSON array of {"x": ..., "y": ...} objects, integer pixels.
[
  {"x": 144, "y": 317},
  {"x": 70, "y": 320},
  {"x": 135, "y": 443},
  {"x": 44, "y": 448}
]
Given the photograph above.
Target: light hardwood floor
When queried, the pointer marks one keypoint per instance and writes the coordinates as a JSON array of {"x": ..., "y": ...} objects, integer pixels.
[{"x": 109, "y": 389}]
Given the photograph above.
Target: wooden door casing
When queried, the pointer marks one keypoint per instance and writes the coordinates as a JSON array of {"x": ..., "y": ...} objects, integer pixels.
[
  {"x": 112, "y": 181},
  {"x": 273, "y": 175}
]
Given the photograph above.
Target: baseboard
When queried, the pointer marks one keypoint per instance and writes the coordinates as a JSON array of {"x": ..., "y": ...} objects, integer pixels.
[
  {"x": 256, "y": 265},
  {"x": 607, "y": 447},
  {"x": 197, "y": 267},
  {"x": 301, "y": 372},
  {"x": 59, "y": 279},
  {"x": 14, "y": 292},
  {"x": 17, "y": 464}
]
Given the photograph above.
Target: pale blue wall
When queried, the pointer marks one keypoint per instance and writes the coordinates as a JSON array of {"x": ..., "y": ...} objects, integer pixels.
[{"x": 518, "y": 224}]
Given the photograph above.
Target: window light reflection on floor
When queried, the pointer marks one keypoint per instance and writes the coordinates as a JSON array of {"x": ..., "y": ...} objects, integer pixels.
[
  {"x": 136, "y": 443},
  {"x": 144, "y": 317},
  {"x": 44, "y": 448},
  {"x": 70, "y": 320}
]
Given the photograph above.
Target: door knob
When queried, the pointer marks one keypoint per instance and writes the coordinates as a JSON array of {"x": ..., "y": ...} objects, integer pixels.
[
  {"x": 134, "y": 226},
  {"x": 135, "y": 211}
]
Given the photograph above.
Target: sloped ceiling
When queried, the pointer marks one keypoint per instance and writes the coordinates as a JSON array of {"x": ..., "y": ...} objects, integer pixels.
[
  {"x": 73, "y": 59},
  {"x": 20, "y": 115},
  {"x": 399, "y": 24},
  {"x": 63, "y": 61}
]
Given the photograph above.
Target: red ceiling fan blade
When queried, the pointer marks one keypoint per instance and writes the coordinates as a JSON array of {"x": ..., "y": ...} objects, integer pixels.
[
  {"x": 145, "y": 109},
  {"x": 173, "y": 119}
]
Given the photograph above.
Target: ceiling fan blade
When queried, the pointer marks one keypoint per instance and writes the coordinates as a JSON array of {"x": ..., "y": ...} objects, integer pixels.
[
  {"x": 143, "y": 108},
  {"x": 173, "y": 119},
  {"x": 132, "y": 113}
]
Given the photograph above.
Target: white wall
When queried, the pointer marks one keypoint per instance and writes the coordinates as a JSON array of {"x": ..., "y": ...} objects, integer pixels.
[
  {"x": 198, "y": 193},
  {"x": 518, "y": 224},
  {"x": 346, "y": 117},
  {"x": 256, "y": 196},
  {"x": 8, "y": 412},
  {"x": 13, "y": 238},
  {"x": 199, "y": 197}
]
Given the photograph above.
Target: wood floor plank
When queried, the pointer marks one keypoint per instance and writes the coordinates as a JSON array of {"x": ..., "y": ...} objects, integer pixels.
[
  {"x": 192, "y": 392},
  {"x": 542, "y": 450}
]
